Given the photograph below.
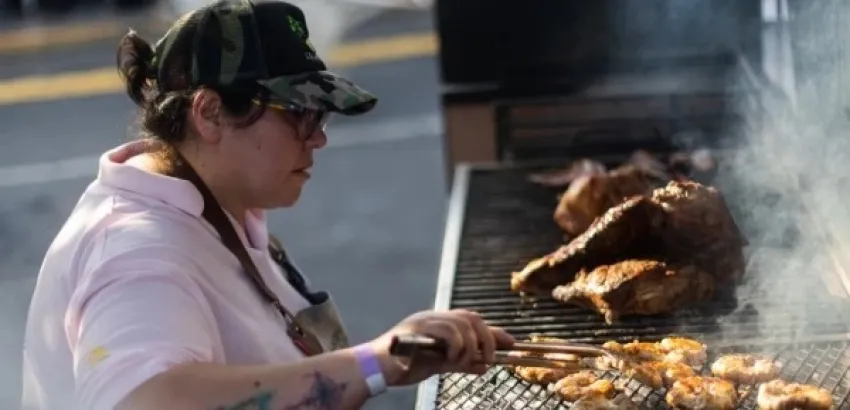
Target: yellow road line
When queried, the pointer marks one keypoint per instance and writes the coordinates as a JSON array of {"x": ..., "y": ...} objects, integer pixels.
[
  {"x": 40, "y": 38},
  {"x": 103, "y": 81}
]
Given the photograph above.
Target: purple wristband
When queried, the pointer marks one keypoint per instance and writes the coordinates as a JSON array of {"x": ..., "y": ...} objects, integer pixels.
[{"x": 371, "y": 369}]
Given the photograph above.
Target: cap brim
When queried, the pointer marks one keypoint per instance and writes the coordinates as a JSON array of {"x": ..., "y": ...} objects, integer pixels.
[{"x": 321, "y": 90}]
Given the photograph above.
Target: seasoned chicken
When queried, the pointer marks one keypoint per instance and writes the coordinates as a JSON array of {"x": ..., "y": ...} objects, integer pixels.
[
  {"x": 670, "y": 349},
  {"x": 745, "y": 368},
  {"x": 597, "y": 402},
  {"x": 623, "y": 232},
  {"x": 583, "y": 384},
  {"x": 647, "y": 373},
  {"x": 672, "y": 371},
  {"x": 564, "y": 177},
  {"x": 543, "y": 375},
  {"x": 590, "y": 195},
  {"x": 782, "y": 395},
  {"x": 699, "y": 230},
  {"x": 682, "y": 349},
  {"x": 636, "y": 287},
  {"x": 702, "y": 393}
]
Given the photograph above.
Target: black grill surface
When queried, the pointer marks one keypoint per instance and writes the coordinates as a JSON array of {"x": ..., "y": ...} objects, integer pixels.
[{"x": 784, "y": 305}]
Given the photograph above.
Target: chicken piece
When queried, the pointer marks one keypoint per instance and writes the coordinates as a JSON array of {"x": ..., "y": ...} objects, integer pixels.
[
  {"x": 681, "y": 349},
  {"x": 582, "y": 384},
  {"x": 744, "y": 368},
  {"x": 589, "y": 196},
  {"x": 671, "y": 371},
  {"x": 540, "y": 375},
  {"x": 623, "y": 232},
  {"x": 543, "y": 375},
  {"x": 646, "y": 373},
  {"x": 636, "y": 287},
  {"x": 782, "y": 395},
  {"x": 702, "y": 393},
  {"x": 670, "y": 349},
  {"x": 564, "y": 177},
  {"x": 700, "y": 231},
  {"x": 598, "y": 402}
]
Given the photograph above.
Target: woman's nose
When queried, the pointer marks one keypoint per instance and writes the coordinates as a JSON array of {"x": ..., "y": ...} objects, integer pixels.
[{"x": 318, "y": 140}]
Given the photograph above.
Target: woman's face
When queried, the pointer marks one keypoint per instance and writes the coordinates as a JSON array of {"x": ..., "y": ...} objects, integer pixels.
[{"x": 269, "y": 161}]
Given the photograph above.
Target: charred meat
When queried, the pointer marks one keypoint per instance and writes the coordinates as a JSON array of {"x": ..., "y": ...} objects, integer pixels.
[
  {"x": 636, "y": 287},
  {"x": 702, "y": 393},
  {"x": 590, "y": 195},
  {"x": 745, "y": 368},
  {"x": 782, "y": 395},
  {"x": 625, "y": 231},
  {"x": 699, "y": 230},
  {"x": 583, "y": 384}
]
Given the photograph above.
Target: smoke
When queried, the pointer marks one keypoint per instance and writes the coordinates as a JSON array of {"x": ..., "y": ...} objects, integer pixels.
[{"x": 790, "y": 174}]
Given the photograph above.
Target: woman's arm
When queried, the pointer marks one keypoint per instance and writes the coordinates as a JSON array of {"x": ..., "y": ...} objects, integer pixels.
[{"x": 328, "y": 381}]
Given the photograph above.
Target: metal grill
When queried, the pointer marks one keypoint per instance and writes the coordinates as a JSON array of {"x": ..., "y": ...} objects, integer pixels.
[
  {"x": 498, "y": 221},
  {"x": 823, "y": 364}
]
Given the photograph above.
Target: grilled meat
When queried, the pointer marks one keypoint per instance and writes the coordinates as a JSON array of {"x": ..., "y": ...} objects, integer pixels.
[
  {"x": 699, "y": 230},
  {"x": 598, "y": 402},
  {"x": 702, "y": 393},
  {"x": 540, "y": 375},
  {"x": 623, "y": 232},
  {"x": 782, "y": 395},
  {"x": 745, "y": 368},
  {"x": 636, "y": 287},
  {"x": 543, "y": 375},
  {"x": 671, "y": 371},
  {"x": 590, "y": 195},
  {"x": 685, "y": 350},
  {"x": 583, "y": 384},
  {"x": 564, "y": 177},
  {"x": 647, "y": 373}
]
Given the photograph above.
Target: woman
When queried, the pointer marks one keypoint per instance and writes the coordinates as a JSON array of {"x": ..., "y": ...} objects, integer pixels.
[{"x": 163, "y": 289}]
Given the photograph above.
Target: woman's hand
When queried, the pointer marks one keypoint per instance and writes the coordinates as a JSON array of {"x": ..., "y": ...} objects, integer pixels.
[{"x": 469, "y": 340}]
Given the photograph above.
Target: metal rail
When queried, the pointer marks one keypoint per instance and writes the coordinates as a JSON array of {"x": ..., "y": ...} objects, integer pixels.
[{"x": 428, "y": 389}]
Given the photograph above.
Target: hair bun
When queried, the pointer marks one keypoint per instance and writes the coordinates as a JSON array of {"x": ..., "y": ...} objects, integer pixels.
[{"x": 135, "y": 65}]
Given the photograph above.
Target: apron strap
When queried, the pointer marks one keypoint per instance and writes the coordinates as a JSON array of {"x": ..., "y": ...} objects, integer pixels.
[
  {"x": 215, "y": 215},
  {"x": 293, "y": 275}
]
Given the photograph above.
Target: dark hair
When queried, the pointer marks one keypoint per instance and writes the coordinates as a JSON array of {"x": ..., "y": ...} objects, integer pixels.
[{"x": 164, "y": 104}]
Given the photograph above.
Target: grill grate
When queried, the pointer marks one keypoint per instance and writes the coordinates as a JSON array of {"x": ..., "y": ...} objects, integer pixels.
[
  {"x": 824, "y": 364},
  {"x": 508, "y": 221}
]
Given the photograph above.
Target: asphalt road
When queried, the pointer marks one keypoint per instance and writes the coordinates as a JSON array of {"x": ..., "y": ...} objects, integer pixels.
[{"x": 368, "y": 228}]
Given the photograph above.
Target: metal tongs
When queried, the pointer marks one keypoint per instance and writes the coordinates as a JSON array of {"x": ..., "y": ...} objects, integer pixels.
[{"x": 530, "y": 354}]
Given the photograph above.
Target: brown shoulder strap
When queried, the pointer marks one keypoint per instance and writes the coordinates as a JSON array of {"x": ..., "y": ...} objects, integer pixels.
[{"x": 214, "y": 214}]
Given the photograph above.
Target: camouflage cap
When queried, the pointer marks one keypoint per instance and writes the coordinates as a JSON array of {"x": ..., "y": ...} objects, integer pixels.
[{"x": 234, "y": 43}]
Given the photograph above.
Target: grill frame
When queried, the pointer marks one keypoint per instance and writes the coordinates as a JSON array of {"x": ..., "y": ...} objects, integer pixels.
[{"x": 428, "y": 391}]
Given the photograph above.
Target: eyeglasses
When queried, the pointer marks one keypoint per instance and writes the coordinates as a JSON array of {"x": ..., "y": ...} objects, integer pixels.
[{"x": 306, "y": 121}]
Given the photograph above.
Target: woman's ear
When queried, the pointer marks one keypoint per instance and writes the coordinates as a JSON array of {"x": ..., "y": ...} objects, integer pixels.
[{"x": 206, "y": 116}]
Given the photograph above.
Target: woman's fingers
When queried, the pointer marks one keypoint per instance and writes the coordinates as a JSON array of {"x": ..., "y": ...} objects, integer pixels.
[
  {"x": 448, "y": 332},
  {"x": 502, "y": 338},
  {"x": 486, "y": 340}
]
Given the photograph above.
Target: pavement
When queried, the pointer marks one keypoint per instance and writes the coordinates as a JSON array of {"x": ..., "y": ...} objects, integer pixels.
[{"x": 369, "y": 226}]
